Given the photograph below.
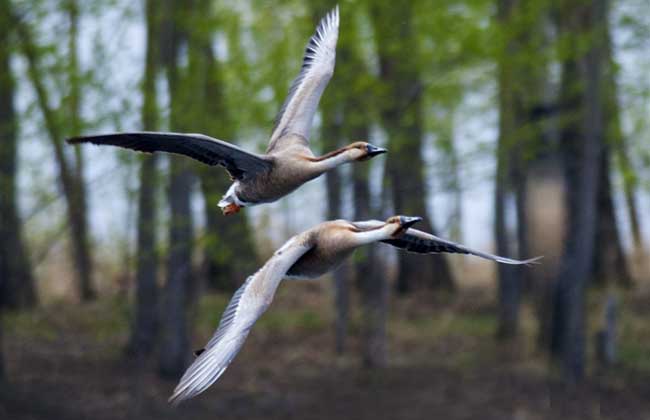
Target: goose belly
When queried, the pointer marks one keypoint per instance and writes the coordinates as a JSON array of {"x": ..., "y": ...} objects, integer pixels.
[
  {"x": 315, "y": 263},
  {"x": 270, "y": 187}
]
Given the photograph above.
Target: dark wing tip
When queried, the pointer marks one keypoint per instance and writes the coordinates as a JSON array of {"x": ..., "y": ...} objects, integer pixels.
[
  {"x": 198, "y": 352},
  {"x": 76, "y": 140}
]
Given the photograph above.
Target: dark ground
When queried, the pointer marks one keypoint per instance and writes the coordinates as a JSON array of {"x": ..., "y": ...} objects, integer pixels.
[{"x": 64, "y": 362}]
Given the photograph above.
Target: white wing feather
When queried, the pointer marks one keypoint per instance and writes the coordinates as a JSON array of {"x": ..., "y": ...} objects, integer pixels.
[
  {"x": 248, "y": 303},
  {"x": 297, "y": 112}
]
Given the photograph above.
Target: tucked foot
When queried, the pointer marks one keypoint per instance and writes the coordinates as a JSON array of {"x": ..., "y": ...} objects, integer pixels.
[{"x": 231, "y": 208}]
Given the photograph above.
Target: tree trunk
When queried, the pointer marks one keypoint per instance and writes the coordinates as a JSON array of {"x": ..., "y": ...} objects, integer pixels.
[
  {"x": 228, "y": 246},
  {"x": 175, "y": 350},
  {"x": 73, "y": 188},
  {"x": 402, "y": 119},
  {"x": 331, "y": 134},
  {"x": 507, "y": 275},
  {"x": 609, "y": 266},
  {"x": 371, "y": 280},
  {"x": 609, "y": 258},
  {"x": 522, "y": 82},
  {"x": 80, "y": 225},
  {"x": 510, "y": 119},
  {"x": 582, "y": 135},
  {"x": 145, "y": 325},
  {"x": 452, "y": 183},
  {"x": 80, "y": 241},
  {"x": 619, "y": 144},
  {"x": 16, "y": 281},
  {"x": 2, "y": 351},
  {"x": 630, "y": 191},
  {"x": 331, "y": 139}
]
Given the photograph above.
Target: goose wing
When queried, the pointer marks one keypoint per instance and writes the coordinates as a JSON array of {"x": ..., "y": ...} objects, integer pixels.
[
  {"x": 297, "y": 112},
  {"x": 248, "y": 303},
  {"x": 239, "y": 163},
  {"x": 414, "y": 240}
]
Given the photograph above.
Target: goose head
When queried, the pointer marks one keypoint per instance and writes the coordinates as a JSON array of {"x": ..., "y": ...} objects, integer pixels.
[
  {"x": 362, "y": 150},
  {"x": 401, "y": 223},
  {"x": 373, "y": 230}
]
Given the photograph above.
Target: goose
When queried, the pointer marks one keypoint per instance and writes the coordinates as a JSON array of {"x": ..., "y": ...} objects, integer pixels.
[
  {"x": 288, "y": 162},
  {"x": 306, "y": 255}
]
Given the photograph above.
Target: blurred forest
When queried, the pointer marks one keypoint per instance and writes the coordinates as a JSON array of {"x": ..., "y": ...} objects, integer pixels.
[{"x": 516, "y": 126}]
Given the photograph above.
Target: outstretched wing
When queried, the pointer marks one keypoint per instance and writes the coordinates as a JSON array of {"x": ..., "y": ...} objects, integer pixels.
[
  {"x": 414, "y": 240},
  {"x": 238, "y": 162},
  {"x": 297, "y": 112},
  {"x": 249, "y": 302}
]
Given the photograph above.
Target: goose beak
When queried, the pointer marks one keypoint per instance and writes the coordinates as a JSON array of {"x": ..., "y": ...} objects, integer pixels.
[
  {"x": 406, "y": 221},
  {"x": 374, "y": 150}
]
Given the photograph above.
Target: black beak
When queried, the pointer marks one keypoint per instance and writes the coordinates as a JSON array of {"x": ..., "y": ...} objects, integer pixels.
[
  {"x": 374, "y": 150},
  {"x": 406, "y": 221}
]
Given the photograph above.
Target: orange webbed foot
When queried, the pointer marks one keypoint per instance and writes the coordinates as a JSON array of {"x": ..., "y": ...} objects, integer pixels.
[{"x": 231, "y": 208}]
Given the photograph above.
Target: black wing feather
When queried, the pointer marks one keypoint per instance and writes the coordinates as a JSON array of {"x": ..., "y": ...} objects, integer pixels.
[
  {"x": 421, "y": 246},
  {"x": 239, "y": 163},
  {"x": 420, "y": 242}
]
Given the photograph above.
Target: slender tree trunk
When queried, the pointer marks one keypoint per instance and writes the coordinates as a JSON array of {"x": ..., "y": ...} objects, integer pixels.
[
  {"x": 16, "y": 281},
  {"x": 371, "y": 280},
  {"x": 402, "y": 118},
  {"x": 509, "y": 283},
  {"x": 509, "y": 287},
  {"x": 229, "y": 245},
  {"x": 340, "y": 277},
  {"x": 454, "y": 184},
  {"x": 582, "y": 135},
  {"x": 332, "y": 138},
  {"x": 74, "y": 96},
  {"x": 175, "y": 348},
  {"x": 145, "y": 325},
  {"x": 618, "y": 143},
  {"x": 609, "y": 258},
  {"x": 522, "y": 81},
  {"x": 80, "y": 241},
  {"x": 3, "y": 375},
  {"x": 73, "y": 188},
  {"x": 631, "y": 202},
  {"x": 331, "y": 133},
  {"x": 609, "y": 261}
]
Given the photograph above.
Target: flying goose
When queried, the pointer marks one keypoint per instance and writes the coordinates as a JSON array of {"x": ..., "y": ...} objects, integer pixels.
[
  {"x": 309, "y": 254},
  {"x": 289, "y": 161}
]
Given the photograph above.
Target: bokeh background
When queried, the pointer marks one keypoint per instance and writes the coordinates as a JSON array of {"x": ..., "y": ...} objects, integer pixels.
[{"x": 518, "y": 127}]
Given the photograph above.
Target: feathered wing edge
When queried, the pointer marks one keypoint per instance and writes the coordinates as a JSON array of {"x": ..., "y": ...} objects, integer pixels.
[
  {"x": 318, "y": 63},
  {"x": 205, "y": 149},
  {"x": 414, "y": 240},
  {"x": 248, "y": 303}
]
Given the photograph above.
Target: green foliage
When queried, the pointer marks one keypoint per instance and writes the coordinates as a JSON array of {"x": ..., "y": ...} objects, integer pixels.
[
  {"x": 277, "y": 320},
  {"x": 102, "y": 321}
]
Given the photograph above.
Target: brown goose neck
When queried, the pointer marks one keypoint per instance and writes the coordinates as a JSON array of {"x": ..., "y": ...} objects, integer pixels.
[{"x": 329, "y": 155}]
